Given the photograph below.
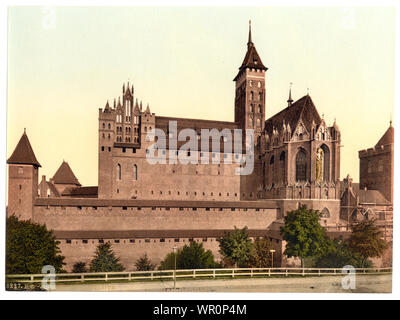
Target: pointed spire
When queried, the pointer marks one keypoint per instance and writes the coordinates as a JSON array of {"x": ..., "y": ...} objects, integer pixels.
[
  {"x": 290, "y": 100},
  {"x": 123, "y": 88},
  {"x": 23, "y": 153},
  {"x": 115, "y": 103},
  {"x": 107, "y": 107},
  {"x": 250, "y": 42}
]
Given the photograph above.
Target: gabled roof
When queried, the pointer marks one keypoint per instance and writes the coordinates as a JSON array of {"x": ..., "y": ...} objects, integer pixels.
[
  {"x": 387, "y": 138},
  {"x": 64, "y": 175},
  {"x": 303, "y": 109},
  {"x": 23, "y": 153}
]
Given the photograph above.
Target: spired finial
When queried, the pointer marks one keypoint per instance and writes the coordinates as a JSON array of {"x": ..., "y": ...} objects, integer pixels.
[
  {"x": 250, "y": 40},
  {"x": 308, "y": 91},
  {"x": 25, "y": 130},
  {"x": 391, "y": 119},
  {"x": 290, "y": 100}
]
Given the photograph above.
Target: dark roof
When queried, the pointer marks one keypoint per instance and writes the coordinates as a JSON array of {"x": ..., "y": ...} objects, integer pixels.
[
  {"x": 264, "y": 204},
  {"x": 81, "y": 192},
  {"x": 251, "y": 60},
  {"x": 64, "y": 175},
  {"x": 303, "y": 109},
  {"x": 387, "y": 138},
  {"x": 23, "y": 153},
  {"x": 371, "y": 197},
  {"x": 126, "y": 234}
]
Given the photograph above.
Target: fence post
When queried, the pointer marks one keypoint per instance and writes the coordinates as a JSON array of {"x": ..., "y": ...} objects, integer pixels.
[
  {"x": 214, "y": 273},
  {"x": 251, "y": 273},
  {"x": 151, "y": 275},
  {"x": 82, "y": 278},
  {"x": 106, "y": 276},
  {"x": 319, "y": 272},
  {"x": 31, "y": 278},
  {"x": 269, "y": 272},
  {"x": 303, "y": 274},
  {"x": 286, "y": 272},
  {"x": 233, "y": 273},
  {"x": 130, "y": 276},
  {"x": 194, "y": 274}
]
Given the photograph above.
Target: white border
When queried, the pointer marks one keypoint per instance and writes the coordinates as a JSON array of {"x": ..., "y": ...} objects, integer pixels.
[{"x": 189, "y": 296}]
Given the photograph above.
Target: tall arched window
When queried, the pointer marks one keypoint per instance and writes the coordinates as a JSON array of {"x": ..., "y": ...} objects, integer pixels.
[
  {"x": 119, "y": 172},
  {"x": 271, "y": 170},
  {"x": 301, "y": 166},
  {"x": 322, "y": 164},
  {"x": 282, "y": 165},
  {"x": 135, "y": 173}
]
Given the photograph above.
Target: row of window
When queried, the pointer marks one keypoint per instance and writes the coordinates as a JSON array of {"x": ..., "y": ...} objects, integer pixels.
[
  {"x": 169, "y": 208},
  {"x": 161, "y": 240},
  {"x": 252, "y": 96}
]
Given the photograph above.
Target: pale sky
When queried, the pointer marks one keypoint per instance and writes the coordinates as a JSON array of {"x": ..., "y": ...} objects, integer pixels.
[{"x": 63, "y": 67}]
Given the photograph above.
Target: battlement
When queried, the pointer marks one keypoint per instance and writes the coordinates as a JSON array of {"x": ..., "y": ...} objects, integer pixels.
[{"x": 375, "y": 150}]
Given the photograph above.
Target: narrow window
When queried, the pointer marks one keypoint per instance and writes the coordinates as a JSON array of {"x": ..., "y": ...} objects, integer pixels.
[
  {"x": 135, "y": 173},
  {"x": 119, "y": 172}
]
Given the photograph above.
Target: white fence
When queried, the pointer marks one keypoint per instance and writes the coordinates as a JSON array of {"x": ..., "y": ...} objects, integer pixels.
[{"x": 190, "y": 274}]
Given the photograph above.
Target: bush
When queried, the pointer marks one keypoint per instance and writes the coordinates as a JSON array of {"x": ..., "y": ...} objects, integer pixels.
[{"x": 79, "y": 267}]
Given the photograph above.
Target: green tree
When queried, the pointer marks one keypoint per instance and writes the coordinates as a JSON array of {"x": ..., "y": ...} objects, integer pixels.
[
  {"x": 366, "y": 240},
  {"x": 236, "y": 246},
  {"x": 261, "y": 255},
  {"x": 105, "y": 260},
  {"x": 79, "y": 267},
  {"x": 29, "y": 247},
  {"x": 144, "y": 264},
  {"x": 169, "y": 262},
  {"x": 192, "y": 256},
  {"x": 339, "y": 255},
  {"x": 304, "y": 234}
]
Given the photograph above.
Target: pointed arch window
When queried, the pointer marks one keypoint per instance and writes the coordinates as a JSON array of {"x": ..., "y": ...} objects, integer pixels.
[
  {"x": 119, "y": 172},
  {"x": 282, "y": 164},
  {"x": 301, "y": 166},
  {"x": 135, "y": 172}
]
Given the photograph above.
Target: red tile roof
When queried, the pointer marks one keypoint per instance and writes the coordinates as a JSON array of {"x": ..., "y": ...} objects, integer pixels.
[
  {"x": 23, "y": 153},
  {"x": 64, "y": 175}
]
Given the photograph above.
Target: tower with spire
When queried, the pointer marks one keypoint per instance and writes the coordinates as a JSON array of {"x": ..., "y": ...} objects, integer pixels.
[
  {"x": 23, "y": 173},
  {"x": 250, "y": 91}
]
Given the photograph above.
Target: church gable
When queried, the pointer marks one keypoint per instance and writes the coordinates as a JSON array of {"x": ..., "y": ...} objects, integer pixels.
[{"x": 302, "y": 111}]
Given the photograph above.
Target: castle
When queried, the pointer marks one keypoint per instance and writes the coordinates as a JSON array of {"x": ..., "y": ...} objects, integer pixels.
[{"x": 149, "y": 208}]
